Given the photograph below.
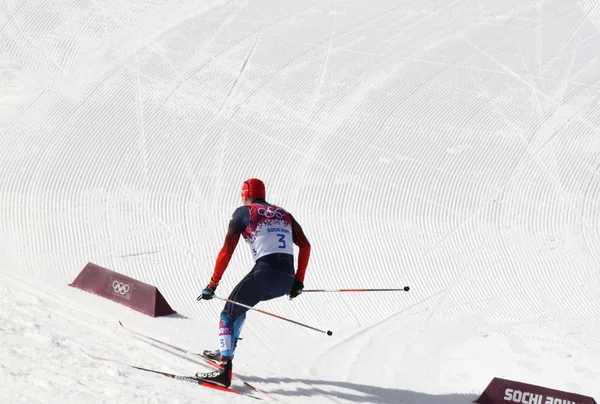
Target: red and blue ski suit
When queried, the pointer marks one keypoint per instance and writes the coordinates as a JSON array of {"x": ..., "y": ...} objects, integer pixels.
[{"x": 271, "y": 232}]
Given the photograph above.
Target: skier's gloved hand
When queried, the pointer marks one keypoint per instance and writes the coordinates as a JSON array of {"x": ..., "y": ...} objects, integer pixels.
[
  {"x": 208, "y": 292},
  {"x": 296, "y": 289}
]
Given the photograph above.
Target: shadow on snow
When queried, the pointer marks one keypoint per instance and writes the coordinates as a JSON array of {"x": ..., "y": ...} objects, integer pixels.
[{"x": 367, "y": 393}]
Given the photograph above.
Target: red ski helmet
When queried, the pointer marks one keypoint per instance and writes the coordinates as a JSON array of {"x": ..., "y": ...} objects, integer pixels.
[{"x": 253, "y": 188}]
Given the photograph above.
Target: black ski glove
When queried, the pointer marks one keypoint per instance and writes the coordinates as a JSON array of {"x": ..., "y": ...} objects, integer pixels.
[
  {"x": 296, "y": 289},
  {"x": 208, "y": 292}
]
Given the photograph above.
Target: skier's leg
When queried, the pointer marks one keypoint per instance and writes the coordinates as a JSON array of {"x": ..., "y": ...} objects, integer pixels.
[
  {"x": 270, "y": 278},
  {"x": 229, "y": 334},
  {"x": 233, "y": 316}
]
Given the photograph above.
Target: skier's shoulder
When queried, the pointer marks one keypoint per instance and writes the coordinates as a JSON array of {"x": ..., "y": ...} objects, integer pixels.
[
  {"x": 241, "y": 212},
  {"x": 240, "y": 218}
]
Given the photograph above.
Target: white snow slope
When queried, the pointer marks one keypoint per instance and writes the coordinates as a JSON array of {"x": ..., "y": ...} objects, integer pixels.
[{"x": 453, "y": 146}]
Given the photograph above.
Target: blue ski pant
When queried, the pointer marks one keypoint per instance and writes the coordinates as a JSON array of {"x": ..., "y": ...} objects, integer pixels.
[{"x": 271, "y": 277}]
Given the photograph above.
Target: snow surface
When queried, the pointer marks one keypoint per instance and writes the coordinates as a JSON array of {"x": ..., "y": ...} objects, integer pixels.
[{"x": 453, "y": 146}]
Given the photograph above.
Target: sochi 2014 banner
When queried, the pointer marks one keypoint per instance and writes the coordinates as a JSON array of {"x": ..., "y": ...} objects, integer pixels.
[{"x": 502, "y": 391}]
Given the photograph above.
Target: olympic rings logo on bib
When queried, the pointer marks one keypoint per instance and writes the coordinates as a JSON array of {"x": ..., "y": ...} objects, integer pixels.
[
  {"x": 120, "y": 287},
  {"x": 270, "y": 213}
]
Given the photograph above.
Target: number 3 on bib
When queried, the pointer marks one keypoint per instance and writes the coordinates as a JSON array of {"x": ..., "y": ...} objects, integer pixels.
[{"x": 282, "y": 240}]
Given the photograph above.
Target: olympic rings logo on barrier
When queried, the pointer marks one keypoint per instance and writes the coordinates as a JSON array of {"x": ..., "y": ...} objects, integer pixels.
[
  {"x": 270, "y": 213},
  {"x": 120, "y": 287}
]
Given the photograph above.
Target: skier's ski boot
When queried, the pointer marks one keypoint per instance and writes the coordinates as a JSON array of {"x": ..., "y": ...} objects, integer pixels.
[
  {"x": 215, "y": 355},
  {"x": 221, "y": 377},
  {"x": 212, "y": 355}
]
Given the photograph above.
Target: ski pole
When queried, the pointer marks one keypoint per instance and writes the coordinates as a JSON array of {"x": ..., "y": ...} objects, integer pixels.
[
  {"x": 274, "y": 315},
  {"x": 405, "y": 289}
]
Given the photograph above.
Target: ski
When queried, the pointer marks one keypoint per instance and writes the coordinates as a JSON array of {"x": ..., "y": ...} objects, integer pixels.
[
  {"x": 206, "y": 360},
  {"x": 189, "y": 379}
]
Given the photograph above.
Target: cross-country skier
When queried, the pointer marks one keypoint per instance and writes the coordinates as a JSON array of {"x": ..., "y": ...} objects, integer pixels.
[{"x": 270, "y": 232}]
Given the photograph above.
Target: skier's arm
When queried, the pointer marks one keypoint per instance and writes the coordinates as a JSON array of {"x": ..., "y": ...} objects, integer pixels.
[
  {"x": 236, "y": 227},
  {"x": 231, "y": 241},
  {"x": 304, "y": 254}
]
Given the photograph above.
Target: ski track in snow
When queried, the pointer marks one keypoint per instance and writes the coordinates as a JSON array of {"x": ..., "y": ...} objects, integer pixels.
[{"x": 447, "y": 146}]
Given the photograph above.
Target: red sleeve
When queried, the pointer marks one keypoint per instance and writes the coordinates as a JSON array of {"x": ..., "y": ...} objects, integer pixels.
[
  {"x": 231, "y": 241},
  {"x": 302, "y": 242}
]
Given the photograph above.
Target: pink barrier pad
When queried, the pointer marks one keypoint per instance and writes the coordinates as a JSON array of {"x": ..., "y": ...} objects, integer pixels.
[
  {"x": 122, "y": 289},
  {"x": 502, "y": 391}
]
